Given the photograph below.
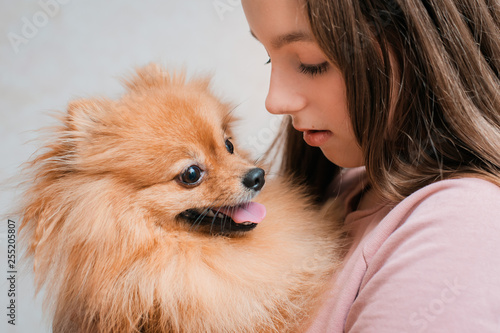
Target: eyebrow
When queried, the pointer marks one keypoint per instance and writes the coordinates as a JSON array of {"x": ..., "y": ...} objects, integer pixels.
[{"x": 291, "y": 37}]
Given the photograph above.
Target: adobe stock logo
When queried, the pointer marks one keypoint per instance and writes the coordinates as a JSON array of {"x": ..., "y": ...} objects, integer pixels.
[
  {"x": 223, "y": 6},
  {"x": 256, "y": 144},
  {"x": 436, "y": 306},
  {"x": 30, "y": 27}
]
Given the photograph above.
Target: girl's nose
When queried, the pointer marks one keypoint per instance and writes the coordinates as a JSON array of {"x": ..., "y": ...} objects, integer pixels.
[{"x": 284, "y": 96}]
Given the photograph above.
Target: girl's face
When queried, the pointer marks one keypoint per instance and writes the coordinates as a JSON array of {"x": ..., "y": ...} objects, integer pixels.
[{"x": 304, "y": 84}]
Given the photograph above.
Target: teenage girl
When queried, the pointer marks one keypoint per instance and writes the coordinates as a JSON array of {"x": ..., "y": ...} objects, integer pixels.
[{"x": 394, "y": 107}]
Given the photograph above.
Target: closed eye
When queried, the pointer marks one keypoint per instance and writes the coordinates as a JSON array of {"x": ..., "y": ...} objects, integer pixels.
[{"x": 313, "y": 70}]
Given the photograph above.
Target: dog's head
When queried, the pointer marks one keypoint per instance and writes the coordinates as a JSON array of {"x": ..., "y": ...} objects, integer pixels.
[{"x": 168, "y": 145}]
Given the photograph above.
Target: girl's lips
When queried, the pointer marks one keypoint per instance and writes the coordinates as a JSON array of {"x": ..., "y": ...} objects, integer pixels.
[{"x": 316, "y": 138}]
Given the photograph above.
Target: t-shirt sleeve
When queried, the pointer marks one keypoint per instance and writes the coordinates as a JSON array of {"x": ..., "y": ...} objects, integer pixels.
[{"x": 439, "y": 271}]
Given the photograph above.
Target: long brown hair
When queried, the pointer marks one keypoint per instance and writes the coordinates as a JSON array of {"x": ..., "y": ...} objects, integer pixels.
[{"x": 423, "y": 89}]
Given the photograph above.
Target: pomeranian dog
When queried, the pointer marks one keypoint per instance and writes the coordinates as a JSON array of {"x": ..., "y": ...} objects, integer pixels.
[{"x": 142, "y": 216}]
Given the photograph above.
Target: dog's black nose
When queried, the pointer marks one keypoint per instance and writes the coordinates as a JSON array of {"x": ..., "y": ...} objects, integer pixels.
[{"x": 254, "y": 179}]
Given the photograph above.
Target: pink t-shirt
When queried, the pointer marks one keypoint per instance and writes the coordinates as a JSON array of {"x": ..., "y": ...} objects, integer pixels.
[{"x": 429, "y": 264}]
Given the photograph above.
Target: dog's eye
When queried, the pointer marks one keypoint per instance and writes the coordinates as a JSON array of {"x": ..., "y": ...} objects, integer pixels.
[
  {"x": 192, "y": 175},
  {"x": 229, "y": 146}
]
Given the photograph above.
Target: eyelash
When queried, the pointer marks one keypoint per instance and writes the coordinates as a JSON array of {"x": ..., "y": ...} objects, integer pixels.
[
  {"x": 314, "y": 69},
  {"x": 311, "y": 70}
]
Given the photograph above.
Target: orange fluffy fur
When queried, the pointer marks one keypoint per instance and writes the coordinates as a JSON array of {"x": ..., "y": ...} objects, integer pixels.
[{"x": 101, "y": 221}]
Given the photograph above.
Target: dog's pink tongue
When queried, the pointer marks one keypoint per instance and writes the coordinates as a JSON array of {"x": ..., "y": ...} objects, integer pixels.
[{"x": 249, "y": 212}]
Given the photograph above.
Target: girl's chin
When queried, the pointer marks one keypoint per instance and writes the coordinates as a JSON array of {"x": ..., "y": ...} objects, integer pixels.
[{"x": 347, "y": 159}]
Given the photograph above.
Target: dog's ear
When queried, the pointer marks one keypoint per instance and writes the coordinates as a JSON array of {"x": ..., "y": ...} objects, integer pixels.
[
  {"x": 85, "y": 115},
  {"x": 153, "y": 75},
  {"x": 201, "y": 82}
]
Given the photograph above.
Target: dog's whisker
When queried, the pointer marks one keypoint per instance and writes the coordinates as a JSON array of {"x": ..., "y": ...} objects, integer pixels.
[
  {"x": 223, "y": 219},
  {"x": 233, "y": 209},
  {"x": 228, "y": 116},
  {"x": 203, "y": 214},
  {"x": 258, "y": 159},
  {"x": 223, "y": 224},
  {"x": 216, "y": 214},
  {"x": 196, "y": 222}
]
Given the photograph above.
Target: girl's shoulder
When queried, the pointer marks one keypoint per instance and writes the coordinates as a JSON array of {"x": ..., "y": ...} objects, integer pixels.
[
  {"x": 429, "y": 263},
  {"x": 454, "y": 212},
  {"x": 435, "y": 255},
  {"x": 463, "y": 199}
]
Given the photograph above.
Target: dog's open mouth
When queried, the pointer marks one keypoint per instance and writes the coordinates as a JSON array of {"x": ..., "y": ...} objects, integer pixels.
[{"x": 225, "y": 220}]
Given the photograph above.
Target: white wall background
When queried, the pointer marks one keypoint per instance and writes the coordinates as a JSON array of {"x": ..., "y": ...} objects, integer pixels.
[{"x": 52, "y": 51}]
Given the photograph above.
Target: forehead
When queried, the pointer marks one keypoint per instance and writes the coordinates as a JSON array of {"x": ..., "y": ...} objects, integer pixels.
[
  {"x": 270, "y": 20},
  {"x": 178, "y": 107},
  {"x": 177, "y": 119}
]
